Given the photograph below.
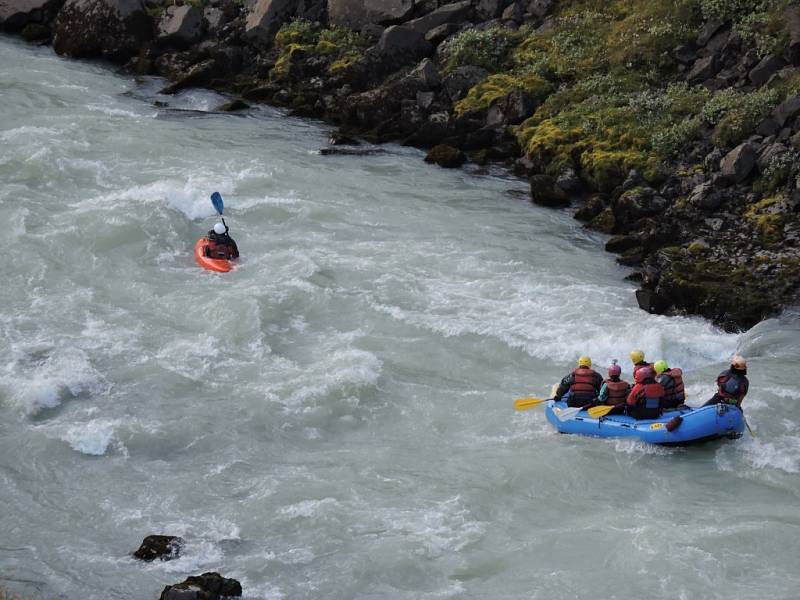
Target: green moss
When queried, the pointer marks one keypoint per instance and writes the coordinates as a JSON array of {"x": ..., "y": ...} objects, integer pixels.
[
  {"x": 496, "y": 86},
  {"x": 697, "y": 248},
  {"x": 299, "y": 38},
  {"x": 297, "y": 32},
  {"x": 282, "y": 68}
]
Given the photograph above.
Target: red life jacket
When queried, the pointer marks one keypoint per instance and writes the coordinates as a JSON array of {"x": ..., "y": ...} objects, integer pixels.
[
  {"x": 673, "y": 388},
  {"x": 584, "y": 386},
  {"x": 617, "y": 391},
  {"x": 732, "y": 386},
  {"x": 647, "y": 398}
]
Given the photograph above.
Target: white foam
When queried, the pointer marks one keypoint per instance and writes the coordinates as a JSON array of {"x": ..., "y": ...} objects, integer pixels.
[
  {"x": 91, "y": 438},
  {"x": 308, "y": 508}
]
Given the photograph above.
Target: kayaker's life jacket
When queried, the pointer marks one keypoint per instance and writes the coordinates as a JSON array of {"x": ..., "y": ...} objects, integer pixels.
[
  {"x": 220, "y": 246},
  {"x": 617, "y": 391},
  {"x": 732, "y": 386},
  {"x": 674, "y": 395},
  {"x": 584, "y": 387},
  {"x": 645, "y": 399}
]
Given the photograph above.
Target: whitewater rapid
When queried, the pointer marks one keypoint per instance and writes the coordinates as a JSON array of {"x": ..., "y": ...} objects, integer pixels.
[{"x": 334, "y": 419}]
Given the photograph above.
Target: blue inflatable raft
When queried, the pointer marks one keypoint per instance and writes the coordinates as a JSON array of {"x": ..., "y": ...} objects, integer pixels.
[{"x": 698, "y": 425}]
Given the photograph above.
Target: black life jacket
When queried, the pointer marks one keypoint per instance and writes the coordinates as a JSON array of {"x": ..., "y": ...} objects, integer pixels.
[
  {"x": 673, "y": 388},
  {"x": 584, "y": 387},
  {"x": 617, "y": 391}
]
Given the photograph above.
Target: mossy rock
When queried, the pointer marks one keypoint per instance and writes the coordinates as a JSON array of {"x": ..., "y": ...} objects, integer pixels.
[
  {"x": 604, "y": 222},
  {"x": 446, "y": 156}
]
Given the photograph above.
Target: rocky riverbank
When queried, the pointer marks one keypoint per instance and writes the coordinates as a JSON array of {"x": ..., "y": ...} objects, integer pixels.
[{"x": 674, "y": 127}]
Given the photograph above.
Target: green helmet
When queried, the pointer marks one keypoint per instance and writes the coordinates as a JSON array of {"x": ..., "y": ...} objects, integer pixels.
[{"x": 661, "y": 366}]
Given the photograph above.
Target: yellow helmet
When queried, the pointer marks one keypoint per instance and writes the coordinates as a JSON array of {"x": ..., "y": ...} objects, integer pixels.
[
  {"x": 637, "y": 356},
  {"x": 584, "y": 361}
]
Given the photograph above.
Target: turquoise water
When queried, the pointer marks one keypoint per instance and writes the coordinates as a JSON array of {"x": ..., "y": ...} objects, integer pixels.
[{"x": 334, "y": 419}]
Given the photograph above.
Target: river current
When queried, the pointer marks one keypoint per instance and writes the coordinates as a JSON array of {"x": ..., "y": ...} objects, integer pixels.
[{"x": 334, "y": 419}]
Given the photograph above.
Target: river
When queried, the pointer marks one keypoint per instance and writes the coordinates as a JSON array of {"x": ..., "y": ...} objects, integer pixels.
[{"x": 334, "y": 419}]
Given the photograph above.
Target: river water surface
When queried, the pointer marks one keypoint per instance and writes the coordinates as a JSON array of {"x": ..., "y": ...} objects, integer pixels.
[{"x": 334, "y": 419}]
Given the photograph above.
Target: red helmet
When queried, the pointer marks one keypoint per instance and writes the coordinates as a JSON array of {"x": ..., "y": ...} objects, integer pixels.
[
  {"x": 614, "y": 370},
  {"x": 644, "y": 373}
]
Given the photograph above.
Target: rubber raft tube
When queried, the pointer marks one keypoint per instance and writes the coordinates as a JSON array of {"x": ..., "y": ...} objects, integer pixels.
[
  {"x": 719, "y": 421},
  {"x": 220, "y": 265}
]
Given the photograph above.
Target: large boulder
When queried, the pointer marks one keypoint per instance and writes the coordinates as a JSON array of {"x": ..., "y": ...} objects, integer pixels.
[
  {"x": 267, "y": 16},
  {"x": 181, "y": 25},
  {"x": 458, "y": 82},
  {"x": 739, "y": 162},
  {"x": 110, "y": 29},
  {"x": 545, "y": 192},
  {"x": 399, "y": 40},
  {"x": 456, "y": 12},
  {"x": 162, "y": 547},
  {"x": 356, "y": 14},
  {"x": 446, "y": 156},
  {"x": 765, "y": 69},
  {"x": 16, "y": 14}
]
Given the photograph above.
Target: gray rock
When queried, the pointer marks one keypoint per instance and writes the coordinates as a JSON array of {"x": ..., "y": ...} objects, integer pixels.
[
  {"x": 570, "y": 183},
  {"x": 712, "y": 160},
  {"x": 539, "y": 9},
  {"x": 652, "y": 302},
  {"x": 425, "y": 99},
  {"x": 456, "y": 12},
  {"x": 792, "y": 20},
  {"x": 511, "y": 109},
  {"x": 767, "y": 127},
  {"x": 685, "y": 54},
  {"x": 514, "y": 12},
  {"x": 266, "y": 18},
  {"x": 402, "y": 40},
  {"x": 181, "y": 25},
  {"x": 111, "y": 29},
  {"x": 427, "y": 75},
  {"x": 15, "y": 14},
  {"x": 162, "y": 547},
  {"x": 488, "y": 9},
  {"x": 438, "y": 34},
  {"x": 708, "y": 31},
  {"x": 786, "y": 110},
  {"x": 768, "y": 153},
  {"x": 461, "y": 80},
  {"x": 208, "y": 586},
  {"x": 355, "y": 14},
  {"x": 214, "y": 17},
  {"x": 704, "y": 68},
  {"x": 739, "y": 162},
  {"x": 544, "y": 192},
  {"x": 706, "y": 196},
  {"x": 768, "y": 66}
]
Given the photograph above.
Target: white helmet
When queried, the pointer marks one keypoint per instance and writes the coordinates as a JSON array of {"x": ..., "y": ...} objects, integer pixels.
[{"x": 219, "y": 228}]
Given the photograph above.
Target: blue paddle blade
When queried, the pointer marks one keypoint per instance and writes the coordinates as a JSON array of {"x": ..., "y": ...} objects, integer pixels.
[{"x": 216, "y": 200}]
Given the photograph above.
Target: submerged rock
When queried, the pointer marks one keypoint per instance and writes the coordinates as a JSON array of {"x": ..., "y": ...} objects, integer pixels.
[{"x": 446, "y": 156}]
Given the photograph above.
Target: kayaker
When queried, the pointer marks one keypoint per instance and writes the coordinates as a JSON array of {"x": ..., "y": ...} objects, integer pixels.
[
  {"x": 581, "y": 386},
  {"x": 637, "y": 358},
  {"x": 732, "y": 384},
  {"x": 644, "y": 401},
  {"x": 672, "y": 380},
  {"x": 614, "y": 391},
  {"x": 220, "y": 244}
]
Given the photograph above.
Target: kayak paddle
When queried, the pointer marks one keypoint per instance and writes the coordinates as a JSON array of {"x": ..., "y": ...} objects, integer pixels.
[
  {"x": 216, "y": 200},
  {"x": 600, "y": 411},
  {"x": 529, "y": 402}
]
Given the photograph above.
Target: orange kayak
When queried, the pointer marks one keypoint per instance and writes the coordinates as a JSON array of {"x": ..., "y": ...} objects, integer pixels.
[{"x": 220, "y": 265}]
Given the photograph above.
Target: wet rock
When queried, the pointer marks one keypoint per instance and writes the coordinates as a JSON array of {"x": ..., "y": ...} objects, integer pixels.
[
  {"x": 197, "y": 76},
  {"x": 739, "y": 162},
  {"x": 16, "y": 14},
  {"x": 36, "y": 33},
  {"x": 161, "y": 547},
  {"x": 446, "y": 156},
  {"x": 356, "y": 14},
  {"x": 768, "y": 66},
  {"x": 461, "y": 80},
  {"x": 544, "y": 192},
  {"x": 591, "y": 208},
  {"x": 110, "y": 29},
  {"x": 181, "y": 25},
  {"x": 233, "y": 106},
  {"x": 208, "y": 586},
  {"x": 569, "y": 182},
  {"x": 337, "y": 138},
  {"x": 456, "y": 12},
  {"x": 652, "y": 302},
  {"x": 351, "y": 151},
  {"x": 604, "y": 222}
]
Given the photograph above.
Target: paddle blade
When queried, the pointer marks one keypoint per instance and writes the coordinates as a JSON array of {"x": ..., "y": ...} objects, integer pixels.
[
  {"x": 600, "y": 411},
  {"x": 216, "y": 200},
  {"x": 526, "y": 403},
  {"x": 568, "y": 413}
]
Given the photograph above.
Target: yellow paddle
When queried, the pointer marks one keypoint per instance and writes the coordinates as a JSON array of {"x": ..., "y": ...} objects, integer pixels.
[
  {"x": 600, "y": 411},
  {"x": 529, "y": 402}
]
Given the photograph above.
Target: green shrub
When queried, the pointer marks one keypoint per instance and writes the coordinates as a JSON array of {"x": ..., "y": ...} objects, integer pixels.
[
  {"x": 488, "y": 48},
  {"x": 736, "y": 114},
  {"x": 298, "y": 31},
  {"x": 782, "y": 170},
  {"x": 668, "y": 142}
]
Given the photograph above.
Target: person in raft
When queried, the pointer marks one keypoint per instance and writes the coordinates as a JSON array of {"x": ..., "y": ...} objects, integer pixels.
[
  {"x": 672, "y": 381},
  {"x": 614, "y": 391},
  {"x": 220, "y": 244},
  {"x": 580, "y": 388},
  {"x": 637, "y": 358},
  {"x": 732, "y": 384},
  {"x": 644, "y": 401}
]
